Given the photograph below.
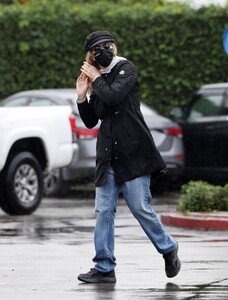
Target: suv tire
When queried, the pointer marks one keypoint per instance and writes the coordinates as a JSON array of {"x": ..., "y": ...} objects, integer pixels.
[{"x": 21, "y": 185}]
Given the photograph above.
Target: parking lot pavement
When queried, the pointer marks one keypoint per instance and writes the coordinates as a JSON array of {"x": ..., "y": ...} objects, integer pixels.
[{"x": 42, "y": 254}]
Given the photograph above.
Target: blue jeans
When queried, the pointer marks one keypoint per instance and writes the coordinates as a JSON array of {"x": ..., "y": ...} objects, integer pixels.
[{"x": 137, "y": 195}]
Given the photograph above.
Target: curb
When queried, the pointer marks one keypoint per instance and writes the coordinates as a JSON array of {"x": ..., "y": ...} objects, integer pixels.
[{"x": 197, "y": 220}]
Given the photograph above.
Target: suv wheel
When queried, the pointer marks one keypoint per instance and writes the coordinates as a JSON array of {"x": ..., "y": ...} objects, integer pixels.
[{"x": 21, "y": 186}]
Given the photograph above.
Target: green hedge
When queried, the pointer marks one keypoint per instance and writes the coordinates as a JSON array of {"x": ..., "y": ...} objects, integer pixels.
[
  {"x": 175, "y": 48},
  {"x": 202, "y": 196}
]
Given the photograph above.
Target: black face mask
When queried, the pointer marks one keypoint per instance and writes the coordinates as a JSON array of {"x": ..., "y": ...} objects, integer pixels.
[{"x": 103, "y": 56}]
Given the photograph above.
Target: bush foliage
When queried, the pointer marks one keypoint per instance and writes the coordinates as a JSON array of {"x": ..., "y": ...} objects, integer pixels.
[
  {"x": 175, "y": 48},
  {"x": 202, "y": 196}
]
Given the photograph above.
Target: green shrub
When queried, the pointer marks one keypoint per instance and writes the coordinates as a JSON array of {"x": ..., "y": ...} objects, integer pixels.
[
  {"x": 202, "y": 196},
  {"x": 175, "y": 48}
]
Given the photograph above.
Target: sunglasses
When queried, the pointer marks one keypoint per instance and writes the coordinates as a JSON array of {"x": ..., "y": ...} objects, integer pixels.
[{"x": 105, "y": 45}]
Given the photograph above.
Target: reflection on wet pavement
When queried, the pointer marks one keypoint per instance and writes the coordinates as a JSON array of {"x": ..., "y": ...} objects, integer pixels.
[
  {"x": 212, "y": 291},
  {"x": 57, "y": 240}
]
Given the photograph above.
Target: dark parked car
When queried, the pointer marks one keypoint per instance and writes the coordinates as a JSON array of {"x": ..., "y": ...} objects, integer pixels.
[
  {"x": 167, "y": 136},
  {"x": 205, "y": 133}
]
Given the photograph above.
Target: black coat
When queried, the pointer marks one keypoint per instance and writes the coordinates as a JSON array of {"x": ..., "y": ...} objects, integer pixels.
[{"x": 124, "y": 140}]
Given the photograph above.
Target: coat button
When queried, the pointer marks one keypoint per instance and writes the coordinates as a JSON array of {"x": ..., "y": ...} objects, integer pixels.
[
  {"x": 115, "y": 143},
  {"x": 115, "y": 157}
]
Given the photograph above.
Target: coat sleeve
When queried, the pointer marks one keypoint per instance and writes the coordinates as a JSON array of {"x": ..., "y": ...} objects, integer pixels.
[
  {"x": 122, "y": 84},
  {"x": 87, "y": 113}
]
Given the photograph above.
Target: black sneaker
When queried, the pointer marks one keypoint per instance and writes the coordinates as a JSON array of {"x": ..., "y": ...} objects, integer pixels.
[
  {"x": 95, "y": 276},
  {"x": 172, "y": 263}
]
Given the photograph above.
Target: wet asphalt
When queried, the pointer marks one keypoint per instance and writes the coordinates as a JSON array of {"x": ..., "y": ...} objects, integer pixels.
[{"x": 42, "y": 254}]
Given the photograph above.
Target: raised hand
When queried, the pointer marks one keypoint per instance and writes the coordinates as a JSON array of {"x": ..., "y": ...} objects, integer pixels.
[
  {"x": 82, "y": 85},
  {"x": 90, "y": 71}
]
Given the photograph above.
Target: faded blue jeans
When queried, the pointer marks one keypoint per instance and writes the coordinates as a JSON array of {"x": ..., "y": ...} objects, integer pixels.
[{"x": 137, "y": 195}]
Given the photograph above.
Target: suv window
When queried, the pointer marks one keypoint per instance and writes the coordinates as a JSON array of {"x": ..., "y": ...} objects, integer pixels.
[{"x": 206, "y": 106}]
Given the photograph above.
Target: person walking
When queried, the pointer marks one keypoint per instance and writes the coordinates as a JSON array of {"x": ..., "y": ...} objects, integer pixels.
[{"x": 126, "y": 157}]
